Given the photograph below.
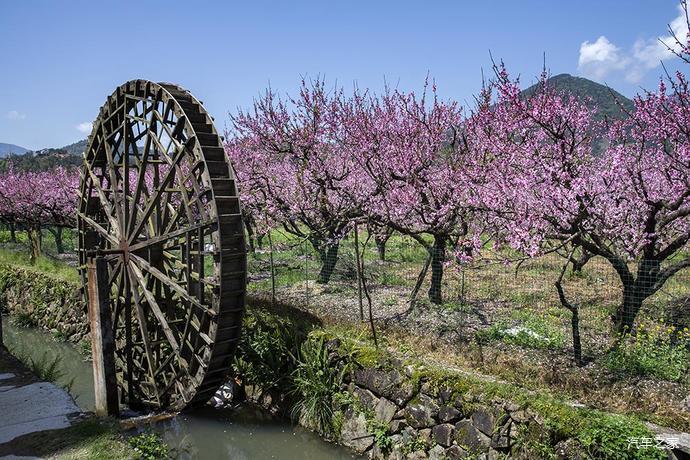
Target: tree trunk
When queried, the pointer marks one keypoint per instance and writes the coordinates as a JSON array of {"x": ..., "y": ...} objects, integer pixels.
[
  {"x": 359, "y": 274},
  {"x": 381, "y": 236},
  {"x": 635, "y": 291},
  {"x": 574, "y": 318},
  {"x": 58, "y": 240},
  {"x": 381, "y": 248},
  {"x": 328, "y": 256},
  {"x": 250, "y": 236},
  {"x": 420, "y": 279},
  {"x": 627, "y": 312},
  {"x": 35, "y": 239},
  {"x": 580, "y": 262},
  {"x": 577, "y": 343},
  {"x": 13, "y": 233},
  {"x": 438, "y": 256}
]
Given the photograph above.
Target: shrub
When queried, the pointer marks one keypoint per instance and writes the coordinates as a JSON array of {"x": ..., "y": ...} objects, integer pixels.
[
  {"x": 654, "y": 351},
  {"x": 608, "y": 436},
  {"x": 265, "y": 354}
]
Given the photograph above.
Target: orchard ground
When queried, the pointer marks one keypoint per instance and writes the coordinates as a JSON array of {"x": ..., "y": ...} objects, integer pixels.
[{"x": 497, "y": 319}]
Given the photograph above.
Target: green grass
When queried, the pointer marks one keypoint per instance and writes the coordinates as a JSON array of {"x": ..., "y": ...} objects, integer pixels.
[
  {"x": 44, "y": 264},
  {"x": 92, "y": 438},
  {"x": 538, "y": 331}
]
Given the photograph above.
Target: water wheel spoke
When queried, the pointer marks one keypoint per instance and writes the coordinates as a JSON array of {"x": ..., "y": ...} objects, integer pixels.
[
  {"x": 153, "y": 201},
  {"x": 140, "y": 183},
  {"x": 113, "y": 178},
  {"x": 155, "y": 240},
  {"x": 143, "y": 328},
  {"x": 172, "y": 284},
  {"x": 96, "y": 226},
  {"x": 155, "y": 308},
  {"x": 95, "y": 182}
]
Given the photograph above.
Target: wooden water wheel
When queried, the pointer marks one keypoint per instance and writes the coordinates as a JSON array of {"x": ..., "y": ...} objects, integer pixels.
[{"x": 159, "y": 202}]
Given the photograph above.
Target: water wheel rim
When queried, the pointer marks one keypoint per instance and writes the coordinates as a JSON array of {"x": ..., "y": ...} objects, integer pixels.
[{"x": 158, "y": 252}]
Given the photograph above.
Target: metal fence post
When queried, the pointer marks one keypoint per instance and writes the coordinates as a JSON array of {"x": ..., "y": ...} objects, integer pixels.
[
  {"x": 359, "y": 274},
  {"x": 306, "y": 273}
]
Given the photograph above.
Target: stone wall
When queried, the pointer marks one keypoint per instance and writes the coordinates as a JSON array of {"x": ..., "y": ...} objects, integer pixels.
[
  {"x": 393, "y": 408},
  {"x": 428, "y": 422},
  {"x": 39, "y": 300},
  {"x": 395, "y": 414}
]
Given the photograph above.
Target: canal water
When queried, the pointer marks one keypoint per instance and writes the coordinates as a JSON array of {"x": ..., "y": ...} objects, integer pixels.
[{"x": 242, "y": 433}]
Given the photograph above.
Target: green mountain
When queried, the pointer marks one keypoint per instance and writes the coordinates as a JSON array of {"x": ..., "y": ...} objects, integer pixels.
[
  {"x": 45, "y": 159},
  {"x": 10, "y": 149},
  {"x": 607, "y": 100},
  {"x": 77, "y": 148}
]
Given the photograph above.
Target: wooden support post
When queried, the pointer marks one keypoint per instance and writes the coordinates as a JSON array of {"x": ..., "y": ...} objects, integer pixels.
[{"x": 102, "y": 338}]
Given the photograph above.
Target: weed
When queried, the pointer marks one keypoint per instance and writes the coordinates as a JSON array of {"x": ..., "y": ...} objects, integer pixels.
[
  {"x": 316, "y": 382},
  {"x": 149, "y": 446},
  {"x": 59, "y": 336},
  {"x": 390, "y": 301},
  {"x": 47, "y": 368},
  {"x": 266, "y": 351},
  {"x": 457, "y": 306},
  {"x": 24, "y": 319},
  {"x": 415, "y": 444},
  {"x": 656, "y": 351},
  {"x": 85, "y": 348},
  {"x": 382, "y": 437},
  {"x": 387, "y": 278},
  {"x": 607, "y": 436}
]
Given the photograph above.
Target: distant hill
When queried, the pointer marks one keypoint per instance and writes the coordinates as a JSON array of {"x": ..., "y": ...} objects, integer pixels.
[
  {"x": 603, "y": 97},
  {"x": 45, "y": 159},
  {"x": 77, "y": 148},
  {"x": 9, "y": 149}
]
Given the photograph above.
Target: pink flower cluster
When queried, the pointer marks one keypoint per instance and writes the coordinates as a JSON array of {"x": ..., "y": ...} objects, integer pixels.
[{"x": 39, "y": 198}]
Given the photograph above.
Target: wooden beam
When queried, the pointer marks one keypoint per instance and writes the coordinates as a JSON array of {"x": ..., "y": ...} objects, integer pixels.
[{"x": 102, "y": 338}]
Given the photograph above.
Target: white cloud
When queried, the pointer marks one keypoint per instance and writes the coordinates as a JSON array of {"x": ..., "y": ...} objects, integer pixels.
[
  {"x": 601, "y": 58},
  {"x": 14, "y": 115},
  {"x": 84, "y": 127}
]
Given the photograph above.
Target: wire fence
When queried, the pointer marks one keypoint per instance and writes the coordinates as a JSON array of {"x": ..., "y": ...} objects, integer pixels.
[
  {"x": 398, "y": 286},
  {"x": 485, "y": 299}
]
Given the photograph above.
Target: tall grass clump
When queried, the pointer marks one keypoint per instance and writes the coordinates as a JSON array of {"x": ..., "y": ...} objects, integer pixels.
[{"x": 316, "y": 380}]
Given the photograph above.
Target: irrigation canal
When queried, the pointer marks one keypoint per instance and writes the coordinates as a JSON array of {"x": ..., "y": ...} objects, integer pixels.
[{"x": 241, "y": 433}]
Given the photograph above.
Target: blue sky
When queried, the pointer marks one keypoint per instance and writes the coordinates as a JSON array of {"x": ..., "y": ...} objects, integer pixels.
[{"x": 60, "y": 59}]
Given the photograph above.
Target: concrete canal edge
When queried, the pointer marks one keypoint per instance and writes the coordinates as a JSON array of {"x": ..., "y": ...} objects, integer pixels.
[
  {"x": 41, "y": 419},
  {"x": 30, "y": 405}
]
